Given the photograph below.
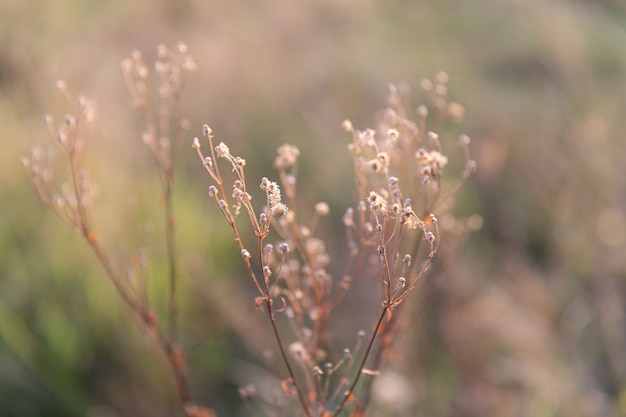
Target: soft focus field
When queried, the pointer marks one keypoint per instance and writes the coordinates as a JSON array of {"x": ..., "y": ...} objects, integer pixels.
[{"x": 525, "y": 317}]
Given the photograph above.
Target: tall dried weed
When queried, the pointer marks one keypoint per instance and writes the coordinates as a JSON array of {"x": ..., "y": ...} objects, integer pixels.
[{"x": 403, "y": 183}]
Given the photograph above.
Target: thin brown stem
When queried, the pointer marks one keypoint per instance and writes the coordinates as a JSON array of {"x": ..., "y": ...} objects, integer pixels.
[
  {"x": 170, "y": 242},
  {"x": 348, "y": 393},
  {"x": 270, "y": 313},
  {"x": 283, "y": 354}
]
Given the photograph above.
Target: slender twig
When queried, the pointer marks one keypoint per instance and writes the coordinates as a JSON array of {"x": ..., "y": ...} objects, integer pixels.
[
  {"x": 350, "y": 390},
  {"x": 270, "y": 313}
]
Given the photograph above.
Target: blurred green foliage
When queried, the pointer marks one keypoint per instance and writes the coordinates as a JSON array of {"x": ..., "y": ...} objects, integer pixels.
[{"x": 527, "y": 319}]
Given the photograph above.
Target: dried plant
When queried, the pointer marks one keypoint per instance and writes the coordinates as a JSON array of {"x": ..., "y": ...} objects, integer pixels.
[
  {"x": 163, "y": 133},
  {"x": 401, "y": 186}
]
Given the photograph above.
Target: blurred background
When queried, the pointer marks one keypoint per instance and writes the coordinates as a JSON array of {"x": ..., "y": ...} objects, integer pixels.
[{"x": 525, "y": 317}]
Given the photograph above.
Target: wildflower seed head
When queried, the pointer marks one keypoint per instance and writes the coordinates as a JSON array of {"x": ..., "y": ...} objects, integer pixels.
[
  {"x": 348, "y": 217},
  {"x": 60, "y": 85},
  {"x": 245, "y": 254},
  {"x": 472, "y": 165},
  {"x": 161, "y": 67},
  {"x": 89, "y": 110},
  {"x": 297, "y": 351},
  {"x": 188, "y": 64},
  {"x": 279, "y": 210},
  {"x": 347, "y": 125},
  {"x": 212, "y": 191},
  {"x": 70, "y": 120},
  {"x": 464, "y": 140},
  {"x": 283, "y": 247},
  {"x": 35, "y": 170},
  {"x": 401, "y": 281},
  {"x": 433, "y": 218},
  {"x": 475, "y": 222},
  {"x": 393, "y": 134},
  {"x": 223, "y": 204},
  {"x": 359, "y": 335},
  {"x": 240, "y": 162},
  {"x": 305, "y": 231},
  {"x": 206, "y": 130},
  {"x": 272, "y": 190},
  {"x": 432, "y": 136},
  {"x": 375, "y": 165},
  {"x": 322, "y": 208},
  {"x": 376, "y": 201},
  {"x": 422, "y": 111},
  {"x": 427, "y": 85},
  {"x": 267, "y": 272},
  {"x": 263, "y": 218},
  {"x": 62, "y": 137},
  {"x": 222, "y": 150},
  {"x": 393, "y": 181},
  {"x": 208, "y": 162},
  {"x": 456, "y": 111},
  {"x": 268, "y": 248},
  {"x": 36, "y": 153},
  {"x": 243, "y": 392},
  {"x": 308, "y": 333},
  {"x": 407, "y": 259},
  {"x": 126, "y": 65},
  {"x": 48, "y": 119},
  {"x": 162, "y": 50},
  {"x": 370, "y": 136},
  {"x": 317, "y": 371},
  {"x": 430, "y": 237},
  {"x": 182, "y": 48},
  {"x": 141, "y": 71},
  {"x": 346, "y": 352},
  {"x": 430, "y": 163},
  {"x": 196, "y": 143},
  {"x": 287, "y": 156}
]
